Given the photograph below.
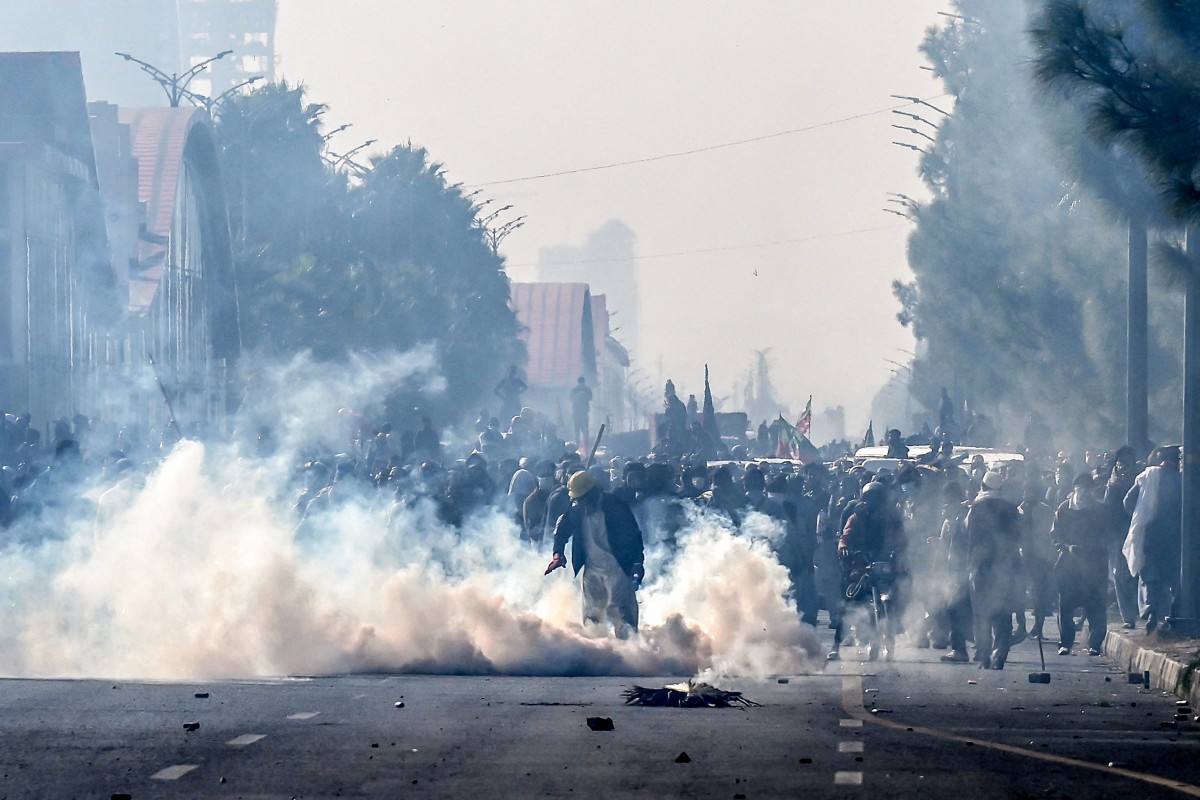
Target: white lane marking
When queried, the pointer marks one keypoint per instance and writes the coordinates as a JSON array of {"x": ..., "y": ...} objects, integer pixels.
[
  {"x": 851, "y": 723},
  {"x": 311, "y": 714},
  {"x": 245, "y": 739},
  {"x": 850, "y": 747},
  {"x": 358, "y": 697},
  {"x": 173, "y": 773},
  {"x": 848, "y": 779}
]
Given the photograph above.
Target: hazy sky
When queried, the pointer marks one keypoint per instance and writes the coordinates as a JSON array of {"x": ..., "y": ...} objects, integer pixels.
[{"x": 800, "y": 256}]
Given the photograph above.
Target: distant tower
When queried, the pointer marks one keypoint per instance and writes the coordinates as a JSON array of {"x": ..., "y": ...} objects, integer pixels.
[
  {"x": 605, "y": 262},
  {"x": 247, "y": 27}
]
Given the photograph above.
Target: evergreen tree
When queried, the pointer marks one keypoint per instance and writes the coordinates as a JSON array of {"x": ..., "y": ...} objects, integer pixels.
[
  {"x": 369, "y": 259},
  {"x": 1019, "y": 281}
]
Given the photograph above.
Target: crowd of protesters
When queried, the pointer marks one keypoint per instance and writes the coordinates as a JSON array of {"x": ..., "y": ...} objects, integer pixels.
[{"x": 949, "y": 549}]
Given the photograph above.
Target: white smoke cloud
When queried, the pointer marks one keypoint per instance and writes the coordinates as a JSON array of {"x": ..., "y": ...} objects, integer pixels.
[{"x": 200, "y": 571}]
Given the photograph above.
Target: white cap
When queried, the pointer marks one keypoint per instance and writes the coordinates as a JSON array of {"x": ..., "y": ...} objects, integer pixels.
[{"x": 993, "y": 480}]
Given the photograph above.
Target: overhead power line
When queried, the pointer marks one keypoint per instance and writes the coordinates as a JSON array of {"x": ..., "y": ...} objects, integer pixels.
[
  {"x": 711, "y": 147},
  {"x": 723, "y": 249}
]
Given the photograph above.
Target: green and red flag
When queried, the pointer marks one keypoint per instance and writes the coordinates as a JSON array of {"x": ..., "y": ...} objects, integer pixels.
[
  {"x": 791, "y": 443},
  {"x": 804, "y": 424}
]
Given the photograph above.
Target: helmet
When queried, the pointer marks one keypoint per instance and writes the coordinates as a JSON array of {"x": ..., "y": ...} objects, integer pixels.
[
  {"x": 580, "y": 484},
  {"x": 874, "y": 491}
]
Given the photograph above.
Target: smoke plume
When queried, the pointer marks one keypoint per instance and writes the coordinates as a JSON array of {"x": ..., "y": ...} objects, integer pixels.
[{"x": 198, "y": 567}]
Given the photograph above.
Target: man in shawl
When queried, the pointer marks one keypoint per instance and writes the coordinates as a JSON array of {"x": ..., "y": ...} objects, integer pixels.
[{"x": 1152, "y": 548}]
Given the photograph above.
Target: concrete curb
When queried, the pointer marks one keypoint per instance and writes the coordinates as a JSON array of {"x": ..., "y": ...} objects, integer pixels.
[{"x": 1136, "y": 656}]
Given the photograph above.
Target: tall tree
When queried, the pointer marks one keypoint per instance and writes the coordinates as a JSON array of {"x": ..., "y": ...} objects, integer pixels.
[
  {"x": 1135, "y": 67},
  {"x": 1016, "y": 291},
  {"x": 336, "y": 258}
]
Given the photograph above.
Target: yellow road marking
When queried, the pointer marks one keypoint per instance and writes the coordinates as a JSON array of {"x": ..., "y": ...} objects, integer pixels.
[{"x": 852, "y": 703}]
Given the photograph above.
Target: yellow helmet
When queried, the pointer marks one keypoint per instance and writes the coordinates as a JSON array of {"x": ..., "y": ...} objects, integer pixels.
[{"x": 580, "y": 484}]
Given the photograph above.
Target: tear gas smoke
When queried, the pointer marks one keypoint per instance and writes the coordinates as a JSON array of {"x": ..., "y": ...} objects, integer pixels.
[{"x": 199, "y": 570}]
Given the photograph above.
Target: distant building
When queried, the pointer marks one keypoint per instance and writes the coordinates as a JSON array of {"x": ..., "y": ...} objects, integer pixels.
[
  {"x": 57, "y": 290},
  {"x": 115, "y": 261},
  {"x": 173, "y": 35},
  {"x": 567, "y": 337},
  {"x": 606, "y": 263},
  {"x": 247, "y": 27}
]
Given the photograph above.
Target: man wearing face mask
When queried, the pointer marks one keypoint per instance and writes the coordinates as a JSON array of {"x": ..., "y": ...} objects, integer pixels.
[
  {"x": 559, "y": 499},
  {"x": 533, "y": 508},
  {"x": 606, "y": 548}
]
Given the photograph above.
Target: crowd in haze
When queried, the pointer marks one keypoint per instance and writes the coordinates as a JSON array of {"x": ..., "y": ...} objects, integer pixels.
[{"x": 945, "y": 548}]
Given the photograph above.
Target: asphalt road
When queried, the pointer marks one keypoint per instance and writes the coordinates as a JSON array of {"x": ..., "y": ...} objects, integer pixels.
[{"x": 909, "y": 728}]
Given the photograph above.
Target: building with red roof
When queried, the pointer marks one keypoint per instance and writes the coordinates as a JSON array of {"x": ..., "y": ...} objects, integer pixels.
[{"x": 566, "y": 333}]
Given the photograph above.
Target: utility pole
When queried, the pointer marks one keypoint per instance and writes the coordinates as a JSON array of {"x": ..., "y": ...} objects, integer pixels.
[
  {"x": 1187, "y": 605},
  {"x": 1137, "y": 425}
]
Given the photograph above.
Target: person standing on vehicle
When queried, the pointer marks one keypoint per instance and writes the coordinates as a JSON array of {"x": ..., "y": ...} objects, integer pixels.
[
  {"x": 606, "y": 547},
  {"x": 896, "y": 448},
  {"x": 581, "y": 404},
  {"x": 674, "y": 415},
  {"x": 993, "y": 546}
]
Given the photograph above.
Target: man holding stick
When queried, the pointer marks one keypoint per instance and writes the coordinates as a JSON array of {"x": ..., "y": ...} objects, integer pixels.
[{"x": 606, "y": 551}]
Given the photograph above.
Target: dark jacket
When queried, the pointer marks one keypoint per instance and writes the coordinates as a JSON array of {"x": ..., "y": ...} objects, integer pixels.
[
  {"x": 994, "y": 537},
  {"x": 1082, "y": 537},
  {"x": 556, "y": 505},
  {"x": 624, "y": 535},
  {"x": 993, "y": 529},
  {"x": 876, "y": 532}
]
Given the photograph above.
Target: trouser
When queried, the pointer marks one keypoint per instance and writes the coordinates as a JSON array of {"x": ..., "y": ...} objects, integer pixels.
[
  {"x": 829, "y": 579},
  {"x": 993, "y": 635},
  {"x": 1095, "y": 611},
  {"x": 806, "y": 597},
  {"x": 1125, "y": 586},
  {"x": 1155, "y": 597},
  {"x": 1042, "y": 591},
  {"x": 993, "y": 617},
  {"x": 959, "y": 619},
  {"x": 608, "y": 596}
]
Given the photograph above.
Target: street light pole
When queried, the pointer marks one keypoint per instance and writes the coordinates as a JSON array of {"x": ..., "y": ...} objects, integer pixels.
[
  {"x": 1137, "y": 426},
  {"x": 175, "y": 84}
]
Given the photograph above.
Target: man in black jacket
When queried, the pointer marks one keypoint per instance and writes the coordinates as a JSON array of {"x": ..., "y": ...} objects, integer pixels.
[
  {"x": 993, "y": 543},
  {"x": 607, "y": 548},
  {"x": 1080, "y": 534}
]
